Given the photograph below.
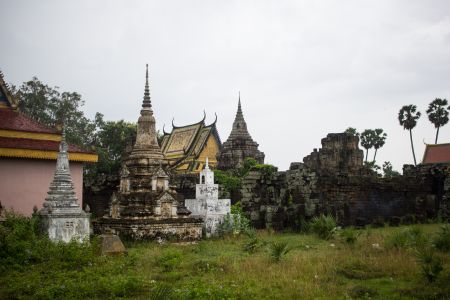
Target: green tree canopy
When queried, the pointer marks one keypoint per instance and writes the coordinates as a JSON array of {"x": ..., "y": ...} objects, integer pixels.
[
  {"x": 367, "y": 140},
  {"x": 407, "y": 117},
  {"x": 352, "y": 131},
  {"x": 379, "y": 139},
  {"x": 438, "y": 114},
  {"x": 51, "y": 107}
]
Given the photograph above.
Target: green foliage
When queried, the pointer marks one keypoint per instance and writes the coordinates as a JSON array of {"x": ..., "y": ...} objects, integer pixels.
[
  {"x": 49, "y": 106},
  {"x": 235, "y": 223},
  {"x": 111, "y": 141},
  {"x": 438, "y": 114},
  {"x": 324, "y": 226},
  {"x": 389, "y": 171},
  {"x": 352, "y": 131},
  {"x": 170, "y": 260},
  {"x": 372, "y": 167},
  {"x": 407, "y": 117},
  {"x": 379, "y": 139},
  {"x": 442, "y": 240},
  {"x": 431, "y": 264},
  {"x": 227, "y": 180},
  {"x": 410, "y": 238},
  {"x": 34, "y": 267},
  {"x": 161, "y": 292},
  {"x": 358, "y": 269},
  {"x": 362, "y": 292},
  {"x": 367, "y": 140},
  {"x": 350, "y": 235},
  {"x": 278, "y": 250}
]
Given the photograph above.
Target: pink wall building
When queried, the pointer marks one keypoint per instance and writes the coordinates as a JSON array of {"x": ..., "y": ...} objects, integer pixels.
[{"x": 28, "y": 152}]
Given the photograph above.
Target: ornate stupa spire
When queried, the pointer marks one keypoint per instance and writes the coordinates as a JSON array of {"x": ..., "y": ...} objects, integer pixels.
[
  {"x": 239, "y": 125},
  {"x": 239, "y": 144},
  {"x": 61, "y": 194},
  {"x": 63, "y": 218},
  {"x": 146, "y": 149},
  {"x": 147, "y": 102}
]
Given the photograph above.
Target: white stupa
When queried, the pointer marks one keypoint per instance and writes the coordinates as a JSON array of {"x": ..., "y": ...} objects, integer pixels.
[{"x": 207, "y": 204}]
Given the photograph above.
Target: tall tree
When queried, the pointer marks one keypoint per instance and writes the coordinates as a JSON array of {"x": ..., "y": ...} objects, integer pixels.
[
  {"x": 408, "y": 116},
  {"x": 352, "y": 131},
  {"x": 49, "y": 106},
  {"x": 367, "y": 140},
  {"x": 379, "y": 139},
  {"x": 438, "y": 114}
]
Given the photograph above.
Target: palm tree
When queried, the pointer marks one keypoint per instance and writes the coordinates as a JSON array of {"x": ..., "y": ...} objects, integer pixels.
[
  {"x": 438, "y": 114},
  {"x": 367, "y": 140},
  {"x": 352, "y": 131},
  {"x": 379, "y": 140},
  {"x": 407, "y": 116}
]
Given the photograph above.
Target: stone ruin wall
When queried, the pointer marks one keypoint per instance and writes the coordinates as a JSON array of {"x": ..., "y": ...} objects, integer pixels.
[{"x": 334, "y": 181}]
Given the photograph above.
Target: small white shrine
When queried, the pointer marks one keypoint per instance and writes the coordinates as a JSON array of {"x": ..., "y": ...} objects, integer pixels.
[{"x": 207, "y": 204}]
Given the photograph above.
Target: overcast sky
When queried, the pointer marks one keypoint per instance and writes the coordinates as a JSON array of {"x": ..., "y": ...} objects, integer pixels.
[{"x": 304, "y": 68}]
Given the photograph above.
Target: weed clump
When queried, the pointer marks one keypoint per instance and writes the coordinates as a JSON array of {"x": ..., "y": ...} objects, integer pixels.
[
  {"x": 278, "y": 250},
  {"x": 350, "y": 235},
  {"x": 442, "y": 239},
  {"x": 324, "y": 226},
  {"x": 431, "y": 265},
  {"x": 170, "y": 260},
  {"x": 411, "y": 238}
]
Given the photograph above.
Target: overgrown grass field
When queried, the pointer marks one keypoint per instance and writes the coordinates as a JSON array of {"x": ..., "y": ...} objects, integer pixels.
[{"x": 406, "y": 262}]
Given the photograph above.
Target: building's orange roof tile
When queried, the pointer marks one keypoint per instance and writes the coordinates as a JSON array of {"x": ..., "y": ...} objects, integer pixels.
[
  {"x": 438, "y": 153},
  {"x": 14, "y": 120},
  {"x": 19, "y": 143}
]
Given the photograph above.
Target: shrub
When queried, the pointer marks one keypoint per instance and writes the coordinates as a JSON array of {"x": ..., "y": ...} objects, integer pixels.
[
  {"x": 324, "y": 226},
  {"x": 358, "y": 269},
  {"x": 170, "y": 259},
  {"x": 161, "y": 292},
  {"x": 350, "y": 235},
  {"x": 277, "y": 250},
  {"x": 442, "y": 240},
  {"x": 410, "y": 238},
  {"x": 431, "y": 265},
  {"x": 235, "y": 223}
]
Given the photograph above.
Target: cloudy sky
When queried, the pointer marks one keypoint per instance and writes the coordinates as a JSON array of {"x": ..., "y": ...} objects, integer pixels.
[{"x": 304, "y": 68}]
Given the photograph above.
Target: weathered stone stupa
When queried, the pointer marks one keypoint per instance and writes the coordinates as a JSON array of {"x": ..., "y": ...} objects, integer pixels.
[
  {"x": 207, "y": 204},
  {"x": 239, "y": 145},
  {"x": 62, "y": 217},
  {"x": 145, "y": 207}
]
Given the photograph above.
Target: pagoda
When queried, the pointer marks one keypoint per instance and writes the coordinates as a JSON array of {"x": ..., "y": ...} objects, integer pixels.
[
  {"x": 187, "y": 147},
  {"x": 62, "y": 218},
  {"x": 239, "y": 145},
  {"x": 145, "y": 207}
]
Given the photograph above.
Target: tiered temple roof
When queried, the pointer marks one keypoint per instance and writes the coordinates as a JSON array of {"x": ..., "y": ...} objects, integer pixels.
[
  {"x": 436, "y": 153},
  {"x": 187, "y": 147},
  {"x": 23, "y": 137},
  {"x": 239, "y": 145}
]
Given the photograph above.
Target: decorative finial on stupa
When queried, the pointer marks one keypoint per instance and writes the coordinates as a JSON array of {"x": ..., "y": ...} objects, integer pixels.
[
  {"x": 207, "y": 164},
  {"x": 146, "y": 102}
]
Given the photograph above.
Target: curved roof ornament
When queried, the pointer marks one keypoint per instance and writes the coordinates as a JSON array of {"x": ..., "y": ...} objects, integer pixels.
[
  {"x": 173, "y": 125},
  {"x": 164, "y": 129},
  {"x": 204, "y": 116},
  {"x": 215, "y": 121}
]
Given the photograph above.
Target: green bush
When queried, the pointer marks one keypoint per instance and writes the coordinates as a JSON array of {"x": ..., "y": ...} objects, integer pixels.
[
  {"x": 358, "y": 269},
  {"x": 170, "y": 260},
  {"x": 350, "y": 235},
  {"x": 33, "y": 267},
  {"x": 324, "y": 226},
  {"x": 235, "y": 223},
  {"x": 442, "y": 239},
  {"x": 431, "y": 265},
  {"x": 277, "y": 250},
  {"x": 410, "y": 238}
]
